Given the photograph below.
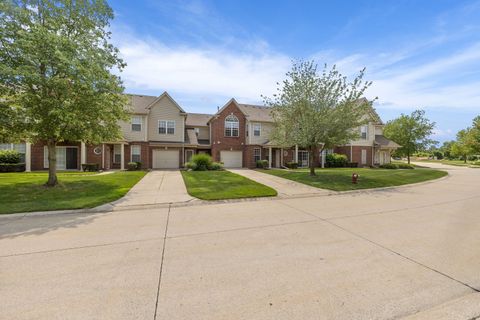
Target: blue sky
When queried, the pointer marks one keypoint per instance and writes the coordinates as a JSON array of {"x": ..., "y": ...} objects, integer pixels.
[{"x": 419, "y": 54}]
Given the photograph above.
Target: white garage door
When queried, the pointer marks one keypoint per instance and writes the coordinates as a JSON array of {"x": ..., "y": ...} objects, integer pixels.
[
  {"x": 231, "y": 159},
  {"x": 166, "y": 159}
]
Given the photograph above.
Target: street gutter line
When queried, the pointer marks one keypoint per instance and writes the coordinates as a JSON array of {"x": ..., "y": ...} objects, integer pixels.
[{"x": 161, "y": 263}]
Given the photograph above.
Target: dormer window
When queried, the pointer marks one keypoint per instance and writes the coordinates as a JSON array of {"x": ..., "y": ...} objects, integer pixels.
[
  {"x": 136, "y": 123},
  {"x": 231, "y": 126}
]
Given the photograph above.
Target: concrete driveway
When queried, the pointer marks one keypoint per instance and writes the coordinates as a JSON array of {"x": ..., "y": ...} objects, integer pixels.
[
  {"x": 410, "y": 252},
  {"x": 284, "y": 187},
  {"x": 157, "y": 187}
]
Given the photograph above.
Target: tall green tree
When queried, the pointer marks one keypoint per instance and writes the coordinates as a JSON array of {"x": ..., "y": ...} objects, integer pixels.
[
  {"x": 412, "y": 132},
  {"x": 317, "y": 110},
  {"x": 465, "y": 145},
  {"x": 56, "y": 77}
]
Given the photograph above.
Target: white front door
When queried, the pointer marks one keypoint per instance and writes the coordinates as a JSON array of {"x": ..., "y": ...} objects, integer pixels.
[
  {"x": 278, "y": 155},
  {"x": 364, "y": 156}
]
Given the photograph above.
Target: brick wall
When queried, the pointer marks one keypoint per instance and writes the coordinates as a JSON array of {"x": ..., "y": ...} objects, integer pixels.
[
  {"x": 356, "y": 152},
  {"x": 219, "y": 141}
]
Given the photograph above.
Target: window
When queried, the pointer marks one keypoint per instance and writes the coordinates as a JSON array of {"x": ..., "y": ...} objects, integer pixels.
[
  {"x": 117, "y": 153},
  {"x": 135, "y": 153},
  {"x": 166, "y": 127},
  {"x": 364, "y": 132},
  {"x": 257, "y": 127},
  {"x": 231, "y": 126},
  {"x": 302, "y": 159},
  {"x": 257, "y": 154},
  {"x": 136, "y": 123},
  {"x": 20, "y": 147}
]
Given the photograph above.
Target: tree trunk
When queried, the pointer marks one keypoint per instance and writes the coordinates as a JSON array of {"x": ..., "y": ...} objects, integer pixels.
[
  {"x": 465, "y": 159},
  {"x": 52, "y": 163},
  {"x": 311, "y": 161}
]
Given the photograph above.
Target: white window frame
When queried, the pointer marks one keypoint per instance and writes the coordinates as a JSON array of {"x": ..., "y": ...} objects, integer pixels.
[
  {"x": 364, "y": 130},
  {"x": 115, "y": 147},
  {"x": 166, "y": 124},
  {"x": 136, "y": 121},
  {"x": 232, "y": 125},
  {"x": 255, "y": 155},
  {"x": 257, "y": 127},
  {"x": 61, "y": 157},
  {"x": 132, "y": 153}
]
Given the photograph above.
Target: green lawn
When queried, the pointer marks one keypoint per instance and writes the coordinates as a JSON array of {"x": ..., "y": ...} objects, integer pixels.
[
  {"x": 340, "y": 179},
  {"x": 23, "y": 192},
  {"x": 217, "y": 185}
]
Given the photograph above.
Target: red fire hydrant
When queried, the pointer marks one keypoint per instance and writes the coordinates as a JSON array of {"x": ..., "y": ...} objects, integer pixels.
[{"x": 354, "y": 178}]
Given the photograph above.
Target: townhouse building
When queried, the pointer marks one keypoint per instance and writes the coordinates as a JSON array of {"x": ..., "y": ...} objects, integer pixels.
[{"x": 162, "y": 135}]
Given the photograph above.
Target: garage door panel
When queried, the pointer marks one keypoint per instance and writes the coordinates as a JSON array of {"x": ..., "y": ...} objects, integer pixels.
[
  {"x": 231, "y": 159},
  {"x": 166, "y": 159}
]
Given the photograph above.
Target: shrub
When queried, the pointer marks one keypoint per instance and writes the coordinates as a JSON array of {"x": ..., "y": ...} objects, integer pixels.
[
  {"x": 262, "y": 164},
  {"x": 202, "y": 161},
  {"x": 190, "y": 166},
  {"x": 132, "y": 166},
  {"x": 215, "y": 166},
  {"x": 473, "y": 158},
  {"x": 438, "y": 155},
  {"x": 90, "y": 166},
  {"x": 389, "y": 166},
  {"x": 405, "y": 166},
  {"x": 336, "y": 160},
  {"x": 292, "y": 165},
  {"x": 9, "y": 156},
  {"x": 139, "y": 165},
  {"x": 12, "y": 167}
]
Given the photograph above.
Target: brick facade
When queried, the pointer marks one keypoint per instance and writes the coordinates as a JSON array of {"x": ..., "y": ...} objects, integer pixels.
[{"x": 356, "y": 152}]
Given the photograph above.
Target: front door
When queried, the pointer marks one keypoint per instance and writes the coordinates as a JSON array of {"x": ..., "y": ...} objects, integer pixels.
[
  {"x": 364, "y": 156},
  {"x": 278, "y": 155},
  {"x": 188, "y": 155},
  {"x": 71, "y": 158}
]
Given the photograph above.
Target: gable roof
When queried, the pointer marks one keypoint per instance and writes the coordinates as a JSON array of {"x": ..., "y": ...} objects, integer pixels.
[
  {"x": 138, "y": 103},
  {"x": 165, "y": 94},
  {"x": 198, "y": 119},
  {"x": 256, "y": 112}
]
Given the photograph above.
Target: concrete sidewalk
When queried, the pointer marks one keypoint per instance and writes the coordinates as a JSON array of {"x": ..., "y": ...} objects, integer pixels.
[
  {"x": 157, "y": 187},
  {"x": 284, "y": 187}
]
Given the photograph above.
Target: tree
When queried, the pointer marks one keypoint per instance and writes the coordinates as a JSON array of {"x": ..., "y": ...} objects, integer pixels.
[
  {"x": 317, "y": 111},
  {"x": 56, "y": 66},
  {"x": 446, "y": 149},
  {"x": 412, "y": 132},
  {"x": 464, "y": 145}
]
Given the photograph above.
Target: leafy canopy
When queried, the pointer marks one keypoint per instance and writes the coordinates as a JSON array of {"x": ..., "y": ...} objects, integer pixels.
[
  {"x": 412, "y": 132},
  {"x": 318, "y": 110},
  {"x": 56, "y": 80}
]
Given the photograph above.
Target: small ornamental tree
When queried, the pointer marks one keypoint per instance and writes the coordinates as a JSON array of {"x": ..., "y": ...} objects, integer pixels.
[
  {"x": 56, "y": 80},
  {"x": 412, "y": 132},
  {"x": 465, "y": 145},
  {"x": 317, "y": 110}
]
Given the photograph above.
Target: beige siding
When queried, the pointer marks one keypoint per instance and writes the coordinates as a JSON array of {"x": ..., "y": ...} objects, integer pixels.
[
  {"x": 204, "y": 133},
  {"x": 130, "y": 135},
  {"x": 379, "y": 130},
  {"x": 165, "y": 109},
  {"x": 370, "y": 137},
  {"x": 266, "y": 129}
]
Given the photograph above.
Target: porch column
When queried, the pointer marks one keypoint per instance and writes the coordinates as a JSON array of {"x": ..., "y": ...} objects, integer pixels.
[
  {"x": 83, "y": 153},
  {"x": 296, "y": 154},
  {"x": 270, "y": 157},
  {"x": 323, "y": 158},
  {"x": 281, "y": 157},
  {"x": 103, "y": 156},
  {"x": 28, "y": 156},
  {"x": 122, "y": 156}
]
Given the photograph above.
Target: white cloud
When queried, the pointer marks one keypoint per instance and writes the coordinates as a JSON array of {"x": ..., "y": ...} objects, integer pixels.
[{"x": 202, "y": 71}]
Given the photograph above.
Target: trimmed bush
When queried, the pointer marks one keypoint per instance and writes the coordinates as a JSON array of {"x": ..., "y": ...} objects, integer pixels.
[
  {"x": 336, "y": 160},
  {"x": 405, "y": 166},
  {"x": 9, "y": 156},
  {"x": 190, "y": 166},
  {"x": 201, "y": 162},
  {"x": 12, "y": 167},
  {"x": 90, "y": 166},
  {"x": 292, "y": 165},
  {"x": 262, "y": 164},
  {"x": 132, "y": 166},
  {"x": 215, "y": 166},
  {"x": 389, "y": 166}
]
